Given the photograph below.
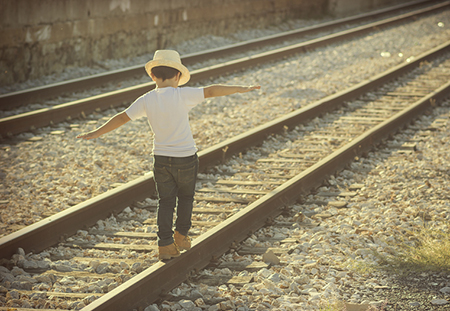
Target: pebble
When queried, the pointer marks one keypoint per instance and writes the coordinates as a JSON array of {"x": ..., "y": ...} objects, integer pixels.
[
  {"x": 270, "y": 257},
  {"x": 38, "y": 176},
  {"x": 317, "y": 270},
  {"x": 439, "y": 302}
]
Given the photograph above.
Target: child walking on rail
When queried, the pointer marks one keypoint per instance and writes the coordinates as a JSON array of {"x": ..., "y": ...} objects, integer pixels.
[{"x": 174, "y": 150}]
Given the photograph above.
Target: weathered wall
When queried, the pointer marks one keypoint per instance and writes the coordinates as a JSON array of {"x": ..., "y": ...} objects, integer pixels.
[
  {"x": 39, "y": 37},
  {"x": 346, "y": 7}
]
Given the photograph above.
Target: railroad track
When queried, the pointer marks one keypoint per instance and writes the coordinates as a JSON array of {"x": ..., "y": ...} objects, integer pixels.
[
  {"x": 30, "y": 96},
  {"x": 261, "y": 172},
  {"x": 32, "y": 120}
]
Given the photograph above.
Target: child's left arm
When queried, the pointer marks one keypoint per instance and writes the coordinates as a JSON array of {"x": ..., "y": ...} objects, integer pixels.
[
  {"x": 117, "y": 121},
  {"x": 223, "y": 90}
]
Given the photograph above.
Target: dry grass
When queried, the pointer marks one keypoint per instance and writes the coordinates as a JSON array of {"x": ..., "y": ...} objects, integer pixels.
[
  {"x": 419, "y": 251},
  {"x": 342, "y": 306},
  {"x": 426, "y": 250}
]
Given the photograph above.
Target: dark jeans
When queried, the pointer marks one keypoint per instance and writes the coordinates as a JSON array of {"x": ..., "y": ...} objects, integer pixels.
[{"x": 175, "y": 178}]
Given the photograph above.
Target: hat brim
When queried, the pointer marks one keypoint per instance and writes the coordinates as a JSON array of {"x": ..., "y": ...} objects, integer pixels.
[{"x": 185, "y": 75}]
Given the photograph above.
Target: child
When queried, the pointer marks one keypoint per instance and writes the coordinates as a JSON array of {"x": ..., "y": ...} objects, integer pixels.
[{"x": 175, "y": 154}]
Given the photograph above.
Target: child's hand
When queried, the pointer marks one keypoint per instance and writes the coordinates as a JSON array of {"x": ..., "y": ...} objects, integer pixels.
[
  {"x": 246, "y": 89},
  {"x": 89, "y": 135}
]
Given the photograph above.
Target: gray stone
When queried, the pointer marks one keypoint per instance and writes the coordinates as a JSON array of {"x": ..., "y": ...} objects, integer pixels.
[
  {"x": 153, "y": 307},
  {"x": 102, "y": 267},
  {"x": 62, "y": 268},
  {"x": 136, "y": 267},
  {"x": 439, "y": 302},
  {"x": 17, "y": 271},
  {"x": 186, "y": 304},
  {"x": 13, "y": 294},
  {"x": 270, "y": 257},
  {"x": 44, "y": 264},
  {"x": 27, "y": 264}
]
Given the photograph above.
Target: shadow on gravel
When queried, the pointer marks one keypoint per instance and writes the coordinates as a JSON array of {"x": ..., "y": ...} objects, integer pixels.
[{"x": 416, "y": 291}]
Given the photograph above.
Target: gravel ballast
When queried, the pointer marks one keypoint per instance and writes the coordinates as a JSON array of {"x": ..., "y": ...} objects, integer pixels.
[
  {"x": 50, "y": 170},
  {"x": 54, "y": 171},
  {"x": 401, "y": 191}
]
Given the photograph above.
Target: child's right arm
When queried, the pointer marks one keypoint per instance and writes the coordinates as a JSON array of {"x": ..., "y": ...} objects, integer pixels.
[
  {"x": 222, "y": 90},
  {"x": 113, "y": 123}
]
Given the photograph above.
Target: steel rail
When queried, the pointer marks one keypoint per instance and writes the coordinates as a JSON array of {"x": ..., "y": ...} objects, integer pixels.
[
  {"x": 44, "y": 117},
  {"x": 28, "y": 96},
  {"x": 149, "y": 285},
  {"x": 48, "y": 231}
]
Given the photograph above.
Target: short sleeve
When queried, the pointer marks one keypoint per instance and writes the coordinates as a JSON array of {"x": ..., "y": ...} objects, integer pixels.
[
  {"x": 192, "y": 96},
  {"x": 137, "y": 109}
]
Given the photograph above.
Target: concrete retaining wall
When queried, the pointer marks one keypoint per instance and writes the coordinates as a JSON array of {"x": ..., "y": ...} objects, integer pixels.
[
  {"x": 345, "y": 7},
  {"x": 40, "y": 37}
]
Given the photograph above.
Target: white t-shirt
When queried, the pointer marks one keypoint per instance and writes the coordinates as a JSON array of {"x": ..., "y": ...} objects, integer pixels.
[{"x": 167, "y": 112}]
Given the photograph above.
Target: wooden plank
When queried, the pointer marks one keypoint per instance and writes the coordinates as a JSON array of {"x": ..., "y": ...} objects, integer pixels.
[
  {"x": 278, "y": 160},
  {"x": 279, "y": 176},
  {"x": 194, "y": 210},
  {"x": 408, "y": 94},
  {"x": 230, "y": 190},
  {"x": 247, "y": 182},
  {"x": 362, "y": 118},
  {"x": 293, "y": 155},
  {"x": 287, "y": 168},
  {"x": 325, "y": 137},
  {"x": 213, "y": 211},
  {"x": 194, "y": 223},
  {"x": 222, "y": 200},
  {"x": 130, "y": 262},
  {"x": 114, "y": 247},
  {"x": 135, "y": 235}
]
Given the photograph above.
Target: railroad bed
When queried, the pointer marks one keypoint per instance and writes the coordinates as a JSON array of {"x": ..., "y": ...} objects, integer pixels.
[
  {"x": 43, "y": 167},
  {"x": 210, "y": 182},
  {"x": 231, "y": 59},
  {"x": 198, "y": 53},
  {"x": 311, "y": 251},
  {"x": 256, "y": 176}
]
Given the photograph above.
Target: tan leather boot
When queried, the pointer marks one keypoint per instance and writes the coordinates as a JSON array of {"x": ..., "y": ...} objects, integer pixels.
[
  {"x": 169, "y": 251},
  {"x": 183, "y": 242}
]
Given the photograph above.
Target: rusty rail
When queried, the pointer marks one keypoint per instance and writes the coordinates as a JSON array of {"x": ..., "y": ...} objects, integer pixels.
[
  {"x": 44, "y": 117},
  {"x": 25, "y": 97},
  {"x": 143, "y": 289},
  {"x": 48, "y": 231}
]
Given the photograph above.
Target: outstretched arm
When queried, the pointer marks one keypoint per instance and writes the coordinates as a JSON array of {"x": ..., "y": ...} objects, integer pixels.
[
  {"x": 222, "y": 90},
  {"x": 113, "y": 123}
]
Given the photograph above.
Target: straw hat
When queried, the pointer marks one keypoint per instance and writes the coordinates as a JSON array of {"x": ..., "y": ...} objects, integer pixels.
[{"x": 171, "y": 59}]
